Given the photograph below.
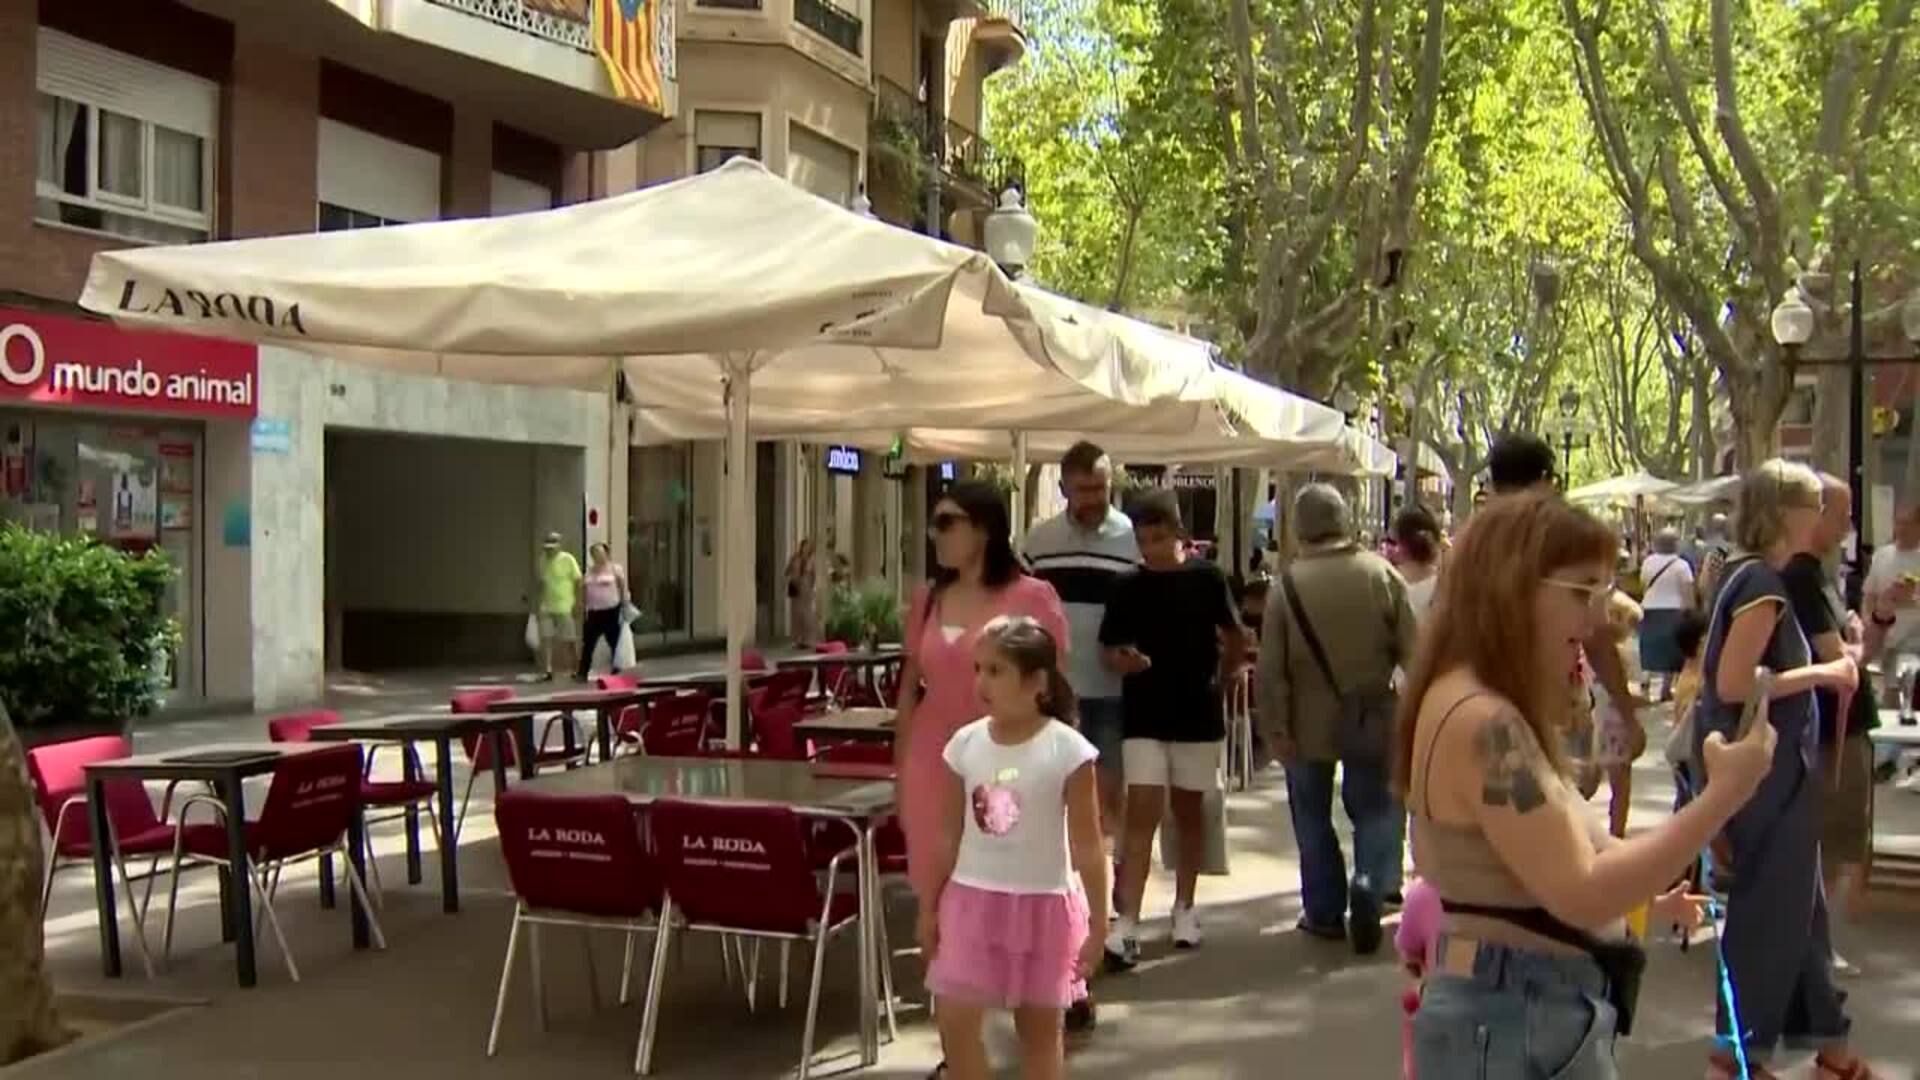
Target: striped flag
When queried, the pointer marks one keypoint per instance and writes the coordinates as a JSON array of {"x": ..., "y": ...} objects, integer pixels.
[{"x": 623, "y": 32}]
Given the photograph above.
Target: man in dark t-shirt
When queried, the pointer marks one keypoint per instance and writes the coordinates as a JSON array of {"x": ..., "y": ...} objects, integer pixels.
[
  {"x": 1171, "y": 630},
  {"x": 1846, "y": 753}
]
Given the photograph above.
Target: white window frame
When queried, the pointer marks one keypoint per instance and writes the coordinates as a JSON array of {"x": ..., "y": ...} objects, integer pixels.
[
  {"x": 152, "y": 95},
  {"x": 757, "y": 109}
]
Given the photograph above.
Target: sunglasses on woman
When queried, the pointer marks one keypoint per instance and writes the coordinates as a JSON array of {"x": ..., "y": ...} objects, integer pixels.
[{"x": 946, "y": 520}]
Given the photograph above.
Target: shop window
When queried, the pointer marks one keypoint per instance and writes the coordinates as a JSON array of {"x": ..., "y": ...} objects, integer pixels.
[
  {"x": 334, "y": 218},
  {"x": 719, "y": 137}
]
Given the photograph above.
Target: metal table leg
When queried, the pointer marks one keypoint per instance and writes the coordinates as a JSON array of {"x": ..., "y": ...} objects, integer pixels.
[
  {"x": 103, "y": 879},
  {"x": 233, "y": 793},
  {"x": 410, "y": 770},
  {"x": 449, "y": 841}
]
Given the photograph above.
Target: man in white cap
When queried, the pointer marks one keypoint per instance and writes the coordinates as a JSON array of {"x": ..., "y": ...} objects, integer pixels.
[{"x": 559, "y": 599}]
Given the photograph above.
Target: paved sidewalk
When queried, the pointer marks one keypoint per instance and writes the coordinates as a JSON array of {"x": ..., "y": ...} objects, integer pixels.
[{"x": 1259, "y": 1000}]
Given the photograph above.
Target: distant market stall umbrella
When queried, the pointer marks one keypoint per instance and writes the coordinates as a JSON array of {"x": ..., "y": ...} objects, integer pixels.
[
  {"x": 727, "y": 292},
  {"x": 1622, "y": 489},
  {"x": 1705, "y": 493}
]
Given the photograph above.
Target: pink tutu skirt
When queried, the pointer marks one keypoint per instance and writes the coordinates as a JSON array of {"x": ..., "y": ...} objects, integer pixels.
[{"x": 1006, "y": 950}]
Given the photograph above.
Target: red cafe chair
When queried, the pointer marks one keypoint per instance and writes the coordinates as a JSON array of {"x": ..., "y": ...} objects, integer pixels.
[
  {"x": 311, "y": 804},
  {"x": 58, "y": 775},
  {"x": 479, "y": 747},
  {"x": 573, "y": 861},
  {"x": 374, "y": 794},
  {"x": 743, "y": 870}
]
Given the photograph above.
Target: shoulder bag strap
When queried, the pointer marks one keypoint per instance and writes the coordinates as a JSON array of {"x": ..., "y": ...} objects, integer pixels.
[
  {"x": 1660, "y": 573},
  {"x": 1305, "y": 623}
]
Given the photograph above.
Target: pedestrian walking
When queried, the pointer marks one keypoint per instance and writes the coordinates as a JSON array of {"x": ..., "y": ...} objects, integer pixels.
[
  {"x": 557, "y": 581},
  {"x": 1846, "y": 751},
  {"x": 1777, "y": 941},
  {"x": 977, "y": 579},
  {"x": 1008, "y": 923},
  {"x": 605, "y": 596},
  {"x": 1416, "y": 537},
  {"x": 1667, "y": 591},
  {"x": 803, "y": 616},
  {"x": 1083, "y": 552},
  {"x": 1337, "y": 628},
  {"x": 1172, "y": 632},
  {"x": 1534, "y": 969}
]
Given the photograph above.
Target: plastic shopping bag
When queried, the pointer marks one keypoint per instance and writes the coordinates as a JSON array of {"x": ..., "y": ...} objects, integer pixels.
[
  {"x": 623, "y": 658},
  {"x": 533, "y": 634},
  {"x": 1214, "y": 862}
]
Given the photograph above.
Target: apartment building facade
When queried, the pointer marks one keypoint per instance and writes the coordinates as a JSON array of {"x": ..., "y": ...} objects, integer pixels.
[
  {"x": 319, "y": 514},
  {"x": 847, "y": 98}
]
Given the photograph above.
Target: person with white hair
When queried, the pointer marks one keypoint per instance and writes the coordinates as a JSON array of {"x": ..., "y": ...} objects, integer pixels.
[
  {"x": 1667, "y": 593},
  {"x": 1337, "y": 627}
]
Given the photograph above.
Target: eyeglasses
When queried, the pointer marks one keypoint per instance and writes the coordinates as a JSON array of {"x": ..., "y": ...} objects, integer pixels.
[
  {"x": 1594, "y": 592},
  {"x": 946, "y": 520}
]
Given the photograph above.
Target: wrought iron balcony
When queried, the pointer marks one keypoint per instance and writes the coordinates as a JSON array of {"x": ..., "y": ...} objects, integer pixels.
[
  {"x": 830, "y": 21},
  {"x": 563, "y": 22}
]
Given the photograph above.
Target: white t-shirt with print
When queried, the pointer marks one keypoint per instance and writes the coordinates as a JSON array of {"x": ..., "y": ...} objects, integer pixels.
[
  {"x": 1015, "y": 840},
  {"x": 1890, "y": 564}
]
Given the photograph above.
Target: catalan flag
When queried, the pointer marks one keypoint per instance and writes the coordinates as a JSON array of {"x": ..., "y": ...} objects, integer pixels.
[{"x": 623, "y": 36}]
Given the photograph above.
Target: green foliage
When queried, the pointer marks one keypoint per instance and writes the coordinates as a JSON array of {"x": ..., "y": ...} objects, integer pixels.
[
  {"x": 859, "y": 614},
  {"x": 81, "y": 628}
]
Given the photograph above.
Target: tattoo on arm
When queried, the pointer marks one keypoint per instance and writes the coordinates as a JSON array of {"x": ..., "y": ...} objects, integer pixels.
[{"x": 1510, "y": 765}]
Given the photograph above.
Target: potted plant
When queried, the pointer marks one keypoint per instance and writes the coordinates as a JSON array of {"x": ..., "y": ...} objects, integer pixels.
[
  {"x": 865, "y": 614},
  {"x": 84, "y": 639}
]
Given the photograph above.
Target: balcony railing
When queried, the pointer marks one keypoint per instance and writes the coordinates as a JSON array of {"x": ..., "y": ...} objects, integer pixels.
[
  {"x": 964, "y": 155},
  {"x": 830, "y": 21},
  {"x": 737, "y": 5},
  {"x": 563, "y": 22}
]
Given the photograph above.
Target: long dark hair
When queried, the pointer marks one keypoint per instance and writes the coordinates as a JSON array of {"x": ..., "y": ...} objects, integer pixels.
[
  {"x": 1029, "y": 648},
  {"x": 986, "y": 507},
  {"x": 1417, "y": 533}
]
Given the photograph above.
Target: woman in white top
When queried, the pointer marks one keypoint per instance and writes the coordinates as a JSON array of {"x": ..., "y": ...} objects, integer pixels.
[
  {"x": 1666, "y": 583},
  {"x": 604, "y": 591},
  {"x": 1417, "y": 536}
]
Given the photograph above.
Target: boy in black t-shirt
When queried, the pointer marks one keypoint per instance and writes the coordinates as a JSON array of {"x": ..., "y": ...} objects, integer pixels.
[{"x": 1171, "y": 629}]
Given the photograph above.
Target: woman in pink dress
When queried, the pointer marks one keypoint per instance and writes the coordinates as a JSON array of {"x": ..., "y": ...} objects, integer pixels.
[{"x": 978, "y": 579}]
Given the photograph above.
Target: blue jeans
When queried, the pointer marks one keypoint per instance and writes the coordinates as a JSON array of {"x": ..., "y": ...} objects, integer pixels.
[
  {"x": 1101, "y": 721},
  {"x": 1521, "y": 1015},
  {"x": 1378, "y": 833}
]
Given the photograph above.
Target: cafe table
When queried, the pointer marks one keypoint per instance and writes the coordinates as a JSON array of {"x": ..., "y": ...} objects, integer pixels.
[
  {"x": 225, "y": 767},
  {"x": 862, "y": 663},
  {"x": 861, "y": 797},
  {"x": 606, "y": 705},
  {"x": 441, "y": 729},
  {"x": 856, "y": 725},
  {"x": 714, "y": 680},
  {"x": 1893, "y": 869}
]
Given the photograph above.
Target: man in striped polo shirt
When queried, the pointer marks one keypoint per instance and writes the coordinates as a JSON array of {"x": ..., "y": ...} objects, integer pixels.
[{"x": 1083, "y": 553}]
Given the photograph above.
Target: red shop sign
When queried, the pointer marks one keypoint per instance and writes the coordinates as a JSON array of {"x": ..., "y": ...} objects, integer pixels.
[{"x": 53, "y": 360}]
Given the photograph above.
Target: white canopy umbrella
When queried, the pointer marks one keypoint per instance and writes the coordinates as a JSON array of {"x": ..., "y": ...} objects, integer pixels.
[
  {"x": 1622, "y": 489},
  {"x": 1704, "y": 493},
  {"x": 728, "y": 292}
]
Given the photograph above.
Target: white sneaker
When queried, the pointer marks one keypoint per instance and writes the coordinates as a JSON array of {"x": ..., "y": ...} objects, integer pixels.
[
  {"x": 1186, "y": 928},
  {"x": 1844, "y": 967},
  {"x": 1123, "y": 945}
]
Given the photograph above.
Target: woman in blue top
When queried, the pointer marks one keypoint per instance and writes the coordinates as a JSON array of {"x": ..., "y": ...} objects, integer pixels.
[{"x": 1776, "y": 941}]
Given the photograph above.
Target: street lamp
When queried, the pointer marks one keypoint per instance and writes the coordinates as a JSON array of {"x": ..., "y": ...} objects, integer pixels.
[
  {"x": 1793, "y": 325},
  {"x": 1009, "y": 233},
  {"x": 1569, "y": 420}
]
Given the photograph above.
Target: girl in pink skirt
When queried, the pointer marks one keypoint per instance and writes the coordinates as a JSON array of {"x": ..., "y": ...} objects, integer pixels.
[{"x": 1006, "y": 923}]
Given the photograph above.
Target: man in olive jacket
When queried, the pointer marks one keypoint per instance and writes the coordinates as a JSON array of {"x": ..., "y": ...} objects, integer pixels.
[
  {"x": 28, "y": 1023},
  {"x": 1357, "y": 605}
]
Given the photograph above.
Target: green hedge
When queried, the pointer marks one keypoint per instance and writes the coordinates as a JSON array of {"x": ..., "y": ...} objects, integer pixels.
[
  {"x": 869, "y": 612},
  {"x": 82, "y": 629}
]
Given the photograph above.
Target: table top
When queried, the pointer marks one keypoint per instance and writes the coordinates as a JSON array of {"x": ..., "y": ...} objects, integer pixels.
[
  {"x": 249, "y": 759},
  {"x": 582, "y": 698},
  {"x": 801, "y": 785},
  {"x": 862, "y": 658},
  {"x": 716, "y": 677},
  {"x": 1892, "y": 732},
  {"x": 865, "y": 721},
  {"x": 404, "y": 726}
]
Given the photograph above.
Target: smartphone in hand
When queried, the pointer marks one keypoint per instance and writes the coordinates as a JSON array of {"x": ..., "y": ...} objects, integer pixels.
[{"x": 1759, "y": 701}]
